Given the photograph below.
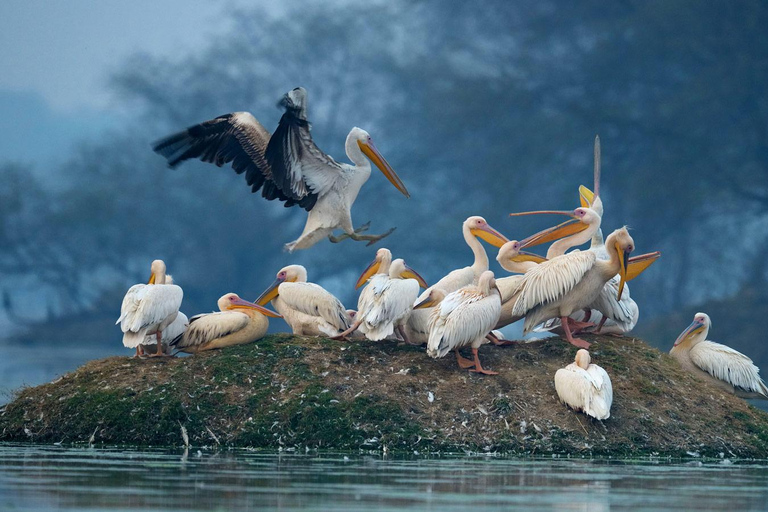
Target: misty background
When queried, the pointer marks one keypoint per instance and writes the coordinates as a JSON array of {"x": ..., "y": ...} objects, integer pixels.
[{"x": 482, "y": 109}]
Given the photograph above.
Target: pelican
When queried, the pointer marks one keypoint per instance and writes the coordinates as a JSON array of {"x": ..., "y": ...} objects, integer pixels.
[
  {"x": 585, "y": 387},
  {"x": 237, "y": 322},
  {"x": 718, "y": 364},
  {"x": 389, "y": 303},
  {"x": 288, "y": 166},
  {"x": 307, "y": 307},
  {"x": 176, "y": 328},
  {"x": 558, "y": 287},
  {"x": 463, "y": 318},
  {"x": 473, "y": 228},
  {"x": 148, "y": 309}
]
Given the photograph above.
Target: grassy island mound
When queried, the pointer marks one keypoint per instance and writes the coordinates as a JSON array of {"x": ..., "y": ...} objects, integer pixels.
[{"x": 299, "y": 392}]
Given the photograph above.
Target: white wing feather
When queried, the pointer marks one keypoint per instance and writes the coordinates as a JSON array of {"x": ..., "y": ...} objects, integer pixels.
[
  {"x": 461, "y": 318},
  {"x": 313, "y": 300},
  {"x": 390, "y": 302},
  {"x": 211, "y": 326},
  {"x": 728, "y": 365},
  {"x": 170, "y": 333},
  {"x": 589, "y": 391}
]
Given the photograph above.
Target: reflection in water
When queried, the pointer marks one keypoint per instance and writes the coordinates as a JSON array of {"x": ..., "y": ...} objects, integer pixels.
[{"x": 44, "y": 478}]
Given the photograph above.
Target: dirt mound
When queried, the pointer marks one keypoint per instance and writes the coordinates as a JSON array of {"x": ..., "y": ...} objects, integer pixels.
[{"x": 297, "y": 392}]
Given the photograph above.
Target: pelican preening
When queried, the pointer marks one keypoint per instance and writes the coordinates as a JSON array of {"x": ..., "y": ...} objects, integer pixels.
[
  {"x": 288, "y": 166},
  {"x": 718, "y": 364},
  {"x": 308, "y": 308},
  {"x": 148, "y": 309},
  {"x": 237, "y": 322},
  {"x": 585, "y": 387},
  {"x": 463, "y": 318}
]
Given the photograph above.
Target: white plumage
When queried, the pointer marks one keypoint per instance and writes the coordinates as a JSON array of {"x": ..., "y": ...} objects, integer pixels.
[
  {"x": 585, "y": 387},
  {"x": 390, "y": 303},
  {"x": 149, "y": 308},
  {"x": 464, "y": 318},
  {"x": 719, "y": 364},
  {"x": 307, "y": 308}
]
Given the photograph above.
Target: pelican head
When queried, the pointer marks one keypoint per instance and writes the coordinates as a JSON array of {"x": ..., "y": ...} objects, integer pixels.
[
  {"x": 366, "y": 145},
  {"x": 697, "y": 331},
  {"x": 289, "y": 274},
  {"x": 295, "y": 100},
  {"x": 582, "y": 218},
  {"x": 400, "y": 270},
  {"x": 232, "y": 301},
  {"x": 512, "y": 252},
  {"x": 621, "y": 242},
  {"x": 382, "y": 261},
  {"x": 582, "y": 359},
  {"x": 157, "y": 275},
  {"x": 478, "y": 227},
  {"x": 433, "y": 298}
]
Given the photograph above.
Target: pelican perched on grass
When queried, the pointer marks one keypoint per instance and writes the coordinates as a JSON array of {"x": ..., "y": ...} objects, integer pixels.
[
  {"x": 585, "y": 387},
  {"x": 473, "y": 228},
  {"x": 288, "y": 165},
  {"x": 567, "y": 283},
  {"x": 718, "y": 364},
  {"x": 237, "y": 322},
  {"x": 463, "y": 319},
  {"x": 175, "y": 329},
  {"x": 308, "y": 308},
  {"x": 389, "y": 304},
  {"x": 148, "y": 309}
]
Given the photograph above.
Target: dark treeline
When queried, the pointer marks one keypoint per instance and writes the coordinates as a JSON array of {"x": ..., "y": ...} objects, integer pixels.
[{"x": 480, "y": 110}]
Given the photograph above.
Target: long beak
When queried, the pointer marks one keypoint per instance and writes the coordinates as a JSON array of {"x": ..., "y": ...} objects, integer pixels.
[
  {"x": 694, "y": 328},
  {"x": 524, "y": 256},
  {"x": 623, "y": 260},
  {"x": 490, "y": 235},
  {"x": 586, "y": 196},
  {"x": 412, "y": 274},
  {"x": 567, "y": 228},
  {"x": 244, "y": 304},
  {"x": 637, "y": 264},
  {"x": 373, "y": 154},
  {"x": 270, "y": 293},
  {"x": 426, "y": 303},
  {"x": 369, "y": 271},
  {"x": 152, "y": 278}
]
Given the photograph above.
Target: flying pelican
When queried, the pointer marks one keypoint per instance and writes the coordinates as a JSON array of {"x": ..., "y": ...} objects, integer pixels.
[
  {"x": 718, "y": 364},
  {"x": 288, "y": 166},
  {"x": 567, "y": 283},
  {"x": 463, "y": 318},
  {"x": 473, "y": 228},
  {"x": 308, "y": 308},
  {"x": 390, "y": 303},
  {"x": 237, "y": 322},
  {"x": 149, "y": 309},
  {"x": 585, "y": 387}
]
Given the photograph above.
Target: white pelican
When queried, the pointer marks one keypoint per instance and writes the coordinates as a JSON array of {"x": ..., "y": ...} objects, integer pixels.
[
  {"x": 237, "y": 322},
  {"x": 388, "y": 304},
  {"x": 718, "y": 364},
  {"x": 307, "y": 308},
  {"x": 585, "y": 387},
  {"x": 473, "y": 228},
  {"x": 288, "y": 165},
  {"x": 579, "y": 230},
  {"x": 176, "y": 328},
  {"x": 148, "y": 309},
  {"x": 463, "y": 318},
  {"x": 560, "y": 286}
]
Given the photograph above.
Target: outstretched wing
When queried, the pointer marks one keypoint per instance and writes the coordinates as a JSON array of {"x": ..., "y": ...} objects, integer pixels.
[
  {"x": 297, "y": 163},
  {"x": 551, "y": 280},
  {"x": 240, "y": 139}
]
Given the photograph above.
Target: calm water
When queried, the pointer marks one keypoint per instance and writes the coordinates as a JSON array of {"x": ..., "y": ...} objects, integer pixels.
[{"x": 54, "y": 478}]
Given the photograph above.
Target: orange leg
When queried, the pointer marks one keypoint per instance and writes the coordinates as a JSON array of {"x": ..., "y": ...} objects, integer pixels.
[
  {"x": 600, "y": 325},
  {"x": 499, "y": 342},
  {"x": 463, "y": 361},
  {"x": 568, "y": 336},
  {"x": 478, "y": 367},
  {"x": 159, "y": 353},
  {"x": 352, "y": 328}
]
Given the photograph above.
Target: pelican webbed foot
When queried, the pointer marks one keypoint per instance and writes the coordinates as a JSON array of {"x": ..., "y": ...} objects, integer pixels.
[
  {"x": 463, "y": 362},
  {"x": 356, "y": 236},
  {"x": 478, "y": 367},
  {"x": 564, "y": 320}
]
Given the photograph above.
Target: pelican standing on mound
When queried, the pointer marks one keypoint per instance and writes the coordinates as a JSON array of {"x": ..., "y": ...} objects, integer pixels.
[
  {"x": 473, "y": 228},
  {"x": 288, "y": 166},
  {"x": 237, "y": 322},
  {"x": 463, "y": 319},
  {"x": 585, "y": 387},
  {"x": 175, "y": 329},
  {"x": 390, "y": 303},
  {"x": 148, "y": 309},
  {"x": 307, "y": 308},
  {"x": 718, "y": 364},
  {"x": 567, "y": 283}
]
